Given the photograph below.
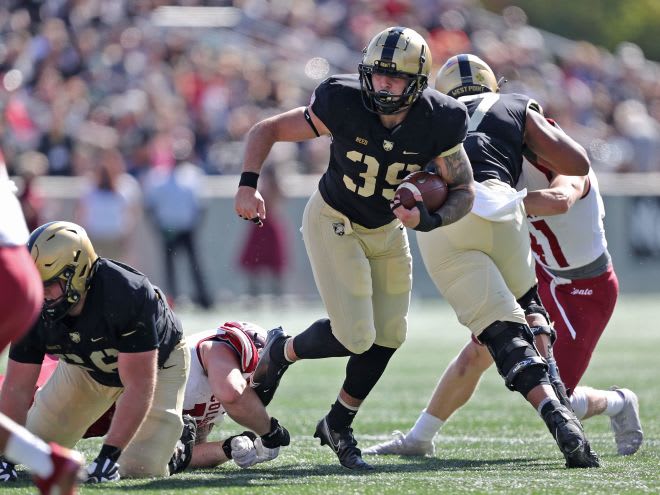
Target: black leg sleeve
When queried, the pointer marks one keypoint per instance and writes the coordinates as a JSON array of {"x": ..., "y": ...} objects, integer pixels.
[
  {"x": 364, "y": 370},
  {"x": 318, "y": 342}
]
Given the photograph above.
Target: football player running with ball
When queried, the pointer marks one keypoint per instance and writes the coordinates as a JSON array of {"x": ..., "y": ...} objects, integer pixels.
[
  {"x": 384, "y": 123},
  {"x": 117, "y": 340},
  {"x": 483, "y": 264}
]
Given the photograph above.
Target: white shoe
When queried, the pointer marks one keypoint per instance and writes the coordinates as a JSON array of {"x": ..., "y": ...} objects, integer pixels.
[
  {"x": 626, "y": 425},
  {"x": 402, "y": 445}
]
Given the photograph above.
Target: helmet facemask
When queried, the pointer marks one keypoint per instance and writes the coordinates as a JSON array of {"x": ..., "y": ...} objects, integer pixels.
[
  {"x": 396, "y": 52},
  {"x": 56, "y": 309}
]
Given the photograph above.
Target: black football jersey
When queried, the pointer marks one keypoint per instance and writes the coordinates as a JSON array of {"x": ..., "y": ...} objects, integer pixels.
[
  {"x": 123, "y": 312},
  {"x": 368, "y": 161},
  {"x": 495, "y": 138}
]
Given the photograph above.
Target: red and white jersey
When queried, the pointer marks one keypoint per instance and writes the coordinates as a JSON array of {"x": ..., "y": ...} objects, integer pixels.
[
  {"x": 199, "y": 400},
  {"x": 573, "y": 239}
]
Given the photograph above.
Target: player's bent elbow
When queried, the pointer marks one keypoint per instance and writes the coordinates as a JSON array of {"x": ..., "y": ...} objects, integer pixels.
[
  {"x": 579, "y": 162},
  {"x": 263, "y": 131}
]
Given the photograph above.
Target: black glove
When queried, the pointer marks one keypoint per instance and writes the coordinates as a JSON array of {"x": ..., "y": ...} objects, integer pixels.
[
  {"x": 7, "y": 470},
  {"x": 104, "y": 467},
  {"x": 278, "y": 436},
  {"x": 427, "y": 221},
  {"x": 184, "y": 446}
]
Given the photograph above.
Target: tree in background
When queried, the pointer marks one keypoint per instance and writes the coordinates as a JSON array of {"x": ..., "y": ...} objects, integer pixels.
[{"x": 603, "y": 22}]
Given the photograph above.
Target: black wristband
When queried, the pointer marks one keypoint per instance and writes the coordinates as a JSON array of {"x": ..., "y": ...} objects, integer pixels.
[
  {"x": 249, "y": 179},
  {"x": 226, "y": 447},
  {"x": 278, "y": 436},
  {"x": 110, "y": 451},
  {"x": 427, "y": 221},
  {"x": 430, "y": 223}
]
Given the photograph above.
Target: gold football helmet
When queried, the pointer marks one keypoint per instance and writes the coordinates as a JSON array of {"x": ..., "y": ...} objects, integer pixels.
[
  {"x": 399, "y": 52},
  {"x": 465, "y": 74},
  {"x": 63, "y": 253}
]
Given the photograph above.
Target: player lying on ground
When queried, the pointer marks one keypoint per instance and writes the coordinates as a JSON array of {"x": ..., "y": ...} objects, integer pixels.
[{"x": 222, "y": 361}]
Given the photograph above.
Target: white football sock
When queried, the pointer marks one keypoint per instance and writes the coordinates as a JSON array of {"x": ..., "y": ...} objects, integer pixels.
[
  {"x": 286, "y": 352},
  {"x": 25, "y": 448},
  {"x": 579, "y": 402},
  {"x": 543, "y": 403},
  {"x": 615, "y": 403},
  {"x": 425, "y": 427},
  {"x": 350, "y": 408}
]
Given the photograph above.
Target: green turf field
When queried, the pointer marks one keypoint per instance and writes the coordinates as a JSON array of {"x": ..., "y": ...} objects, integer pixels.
[{"x": 496, "y": 444}]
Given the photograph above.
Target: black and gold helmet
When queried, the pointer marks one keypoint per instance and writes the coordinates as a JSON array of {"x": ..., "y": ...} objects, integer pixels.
[
  {"x": 398, "y": 52},
  {"x": 62, "y": 252},
  {"x": 465, "y": 74}
]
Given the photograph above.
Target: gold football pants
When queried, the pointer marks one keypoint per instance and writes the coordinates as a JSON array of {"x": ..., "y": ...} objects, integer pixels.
[
  {"x": 70, "y": 401},
  {"x": 364, "y": 276},
  {"x": 481, "y": 267}
]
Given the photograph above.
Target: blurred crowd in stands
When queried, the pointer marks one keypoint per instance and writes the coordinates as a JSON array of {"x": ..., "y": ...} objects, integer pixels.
[
  {"x": 84, "y": 78},
  {"x": 144, "y": 97}
]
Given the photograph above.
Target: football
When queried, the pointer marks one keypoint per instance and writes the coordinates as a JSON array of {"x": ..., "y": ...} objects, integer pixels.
[{"x": 431, "y": 187}]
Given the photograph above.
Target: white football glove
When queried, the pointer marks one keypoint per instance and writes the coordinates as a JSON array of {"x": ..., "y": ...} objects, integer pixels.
[
  {"x": 102, "y": 469},
  {"x": 243, "y": 451},
  {"x": 264, "y": 453}
]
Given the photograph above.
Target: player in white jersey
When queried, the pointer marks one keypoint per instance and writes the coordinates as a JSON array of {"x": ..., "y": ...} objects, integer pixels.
[
  {"x": 578, "y": 288},
  {"x": 222, "y": 362}
]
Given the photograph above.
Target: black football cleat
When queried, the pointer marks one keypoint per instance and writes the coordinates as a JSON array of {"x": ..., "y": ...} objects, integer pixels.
[
  {"x": 269, "y": 370},
  {"x": 570, "y": 438},
  {"x": 184, "y": 446},
  {"x": 343, "y": 444}
]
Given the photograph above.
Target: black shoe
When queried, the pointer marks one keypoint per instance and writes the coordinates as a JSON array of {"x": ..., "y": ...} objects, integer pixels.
[
  {"x": 568, "y": 433},
  {"x": 183, "y": 449},
  {"x": 343, "y": 444},
  {"x": 269, "y": 370}
]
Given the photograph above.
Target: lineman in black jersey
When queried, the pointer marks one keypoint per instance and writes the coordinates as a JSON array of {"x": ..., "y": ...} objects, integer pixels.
[
  {"x": 117, "y": 341},
  {"x": 483, "y": 264},
  {"x": 55, "y": 469},
  {"x": 384, "y": 123}
]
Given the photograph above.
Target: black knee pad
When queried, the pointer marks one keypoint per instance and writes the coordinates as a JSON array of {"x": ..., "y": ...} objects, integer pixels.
[
  {"x": 518, "y": 361},
  {"x": 364, "y": 370},
  {"x": 531, "y": 303},
  {"x": 318, "y": 342}
]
